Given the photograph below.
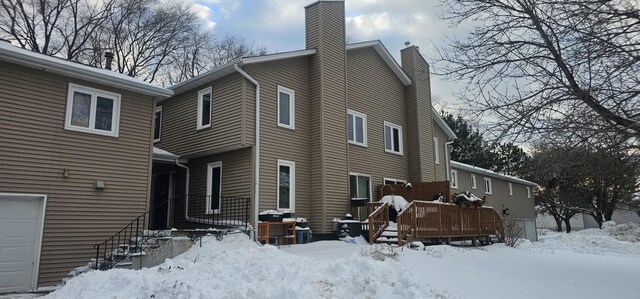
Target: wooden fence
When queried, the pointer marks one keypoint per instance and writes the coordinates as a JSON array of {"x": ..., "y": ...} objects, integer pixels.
[
  {"x": 425, "y": 191},
  {"x": 424, "y": 220}
]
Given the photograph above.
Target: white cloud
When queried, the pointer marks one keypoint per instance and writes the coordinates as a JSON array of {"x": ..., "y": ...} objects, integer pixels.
[{"x": 205, "y": 14}]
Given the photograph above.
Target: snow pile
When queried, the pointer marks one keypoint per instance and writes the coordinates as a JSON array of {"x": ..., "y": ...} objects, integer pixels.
[
  {"x": 236, "y": 267},
  {"x": 470, "y": 198},
  {"x": 396, "y": 201},
  {"x": 612, "y": 240}
]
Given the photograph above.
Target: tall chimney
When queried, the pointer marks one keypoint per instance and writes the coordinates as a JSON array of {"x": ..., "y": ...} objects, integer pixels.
[{"x": 109, "y": 58}]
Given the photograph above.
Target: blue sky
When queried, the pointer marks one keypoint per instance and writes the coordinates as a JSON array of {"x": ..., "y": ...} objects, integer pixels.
[{"x": 279, "y": 25}]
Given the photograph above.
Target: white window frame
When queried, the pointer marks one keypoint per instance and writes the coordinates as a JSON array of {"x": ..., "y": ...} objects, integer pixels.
[
  {"x": 454, "y": 178},
  {"x": 487, "y": 183},
  {"x": 292, "y": 107},
  {"x": 364, "y": 127},
  {"x": 95, "y": 93},
  {"x": 384, "y": 180},
  {"x": 210, "y": 167},
  {"x": 474, "y": 184},
  {"x": 362, "y": 175},
  {"x": 400, "y": 139},
  {"x": 201, "y": 93},
  {"x": 528, "y": 192},
  {"x": 436, "y": 150},
  {"x": 510, "y": 189},
  {"x": 158, "y": 109},
  {"x": 292, "y": 184}
]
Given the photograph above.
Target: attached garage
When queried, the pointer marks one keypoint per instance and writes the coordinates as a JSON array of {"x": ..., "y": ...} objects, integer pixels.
[{"x": 21, "y": 224}]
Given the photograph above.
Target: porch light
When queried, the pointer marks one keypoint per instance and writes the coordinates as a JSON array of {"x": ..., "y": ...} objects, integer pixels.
[{"x": 505, "y": 211}]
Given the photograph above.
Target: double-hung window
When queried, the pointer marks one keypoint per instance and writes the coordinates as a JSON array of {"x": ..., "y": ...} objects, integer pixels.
[
  {"x": 357, "y": 127},
  {"x": 359, "y": 186},
  {"x": 286, "y": 185},
  {"x": 92, "y": 110},
  {"x": 286, "y": 108},
  {"x": 157, "y": 130},
  {"x": 454, "y": 179},
  {"x": 487, "y": 185},
  {"x": 204, "y": 108},
  {"x": 393, "y": 138}
]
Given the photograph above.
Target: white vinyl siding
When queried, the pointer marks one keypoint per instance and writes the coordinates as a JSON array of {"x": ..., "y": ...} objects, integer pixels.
[
  {"x": 286, "y": 185},
  {"x": 286, "y": 108},
  {"x": 393, "y": 138},
  {"x": 92, "y": 110},
  {"x": 454, "y": 179},
  {"x": 205, "y": 101},
  {"x": 357, "y": 127}
]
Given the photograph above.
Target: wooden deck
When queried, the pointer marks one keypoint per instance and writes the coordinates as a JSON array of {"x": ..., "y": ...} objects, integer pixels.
[{"x": 422, "y": 220}]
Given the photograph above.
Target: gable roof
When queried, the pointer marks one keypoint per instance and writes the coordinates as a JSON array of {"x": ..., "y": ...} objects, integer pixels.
[
  {"x": 386, "y": 56},
  {"x": 442, "y": 124},
  {"x": 229, "y": 68},
  {"x": 491, "y": 173},
  {"x": 16, "y": 55}
]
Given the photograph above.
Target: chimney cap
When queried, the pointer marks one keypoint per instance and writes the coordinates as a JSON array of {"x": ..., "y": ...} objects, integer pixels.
[
  {"x": 407, "y": 43},
  {"x": 108, "y": 54}
]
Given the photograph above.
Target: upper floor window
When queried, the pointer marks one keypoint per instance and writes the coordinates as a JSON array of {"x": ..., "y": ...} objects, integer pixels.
[
  {"x": 286, "y": 107},
  {"x": 158, "y": 124},
  {"x": 487, "y": 185},
  {"x": 454, "y": 179},
  {"x": 357, "y": 127},
  {"x": 510, "y": 189},
  {"x": 392, "y": 138},
  {"x": 436, "y": 150},
  {"x": 204, "y": 108},
  {"x": 359, "y": 186},
  {"x": 92, "y": 110},
  {"x": 473, "y": 182}
]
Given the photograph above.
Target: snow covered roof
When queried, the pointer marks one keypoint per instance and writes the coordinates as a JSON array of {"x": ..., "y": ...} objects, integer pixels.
[
  {"x": 443, "y": 125},
  {"x": 13, "y": 54},
  {"x": 487, "y": 172},
  {"x": 162, "y": 155},
  {"x": 229, "y": 68},
  {"x": 386, "y": 56}
]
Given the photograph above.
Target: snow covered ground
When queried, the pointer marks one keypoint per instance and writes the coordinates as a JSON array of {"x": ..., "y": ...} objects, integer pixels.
[{"x": 587, "y": 264}]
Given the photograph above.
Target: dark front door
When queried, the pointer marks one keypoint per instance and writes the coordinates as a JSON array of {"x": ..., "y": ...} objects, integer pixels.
[{"x": 160, "y": 204}]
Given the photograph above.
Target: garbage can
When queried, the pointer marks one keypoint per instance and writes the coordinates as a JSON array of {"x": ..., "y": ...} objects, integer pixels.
[{"x": 303, "y": 235}]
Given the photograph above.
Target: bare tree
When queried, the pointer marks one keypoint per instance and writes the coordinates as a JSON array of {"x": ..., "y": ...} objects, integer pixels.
[{"x": 542, "y": 67}]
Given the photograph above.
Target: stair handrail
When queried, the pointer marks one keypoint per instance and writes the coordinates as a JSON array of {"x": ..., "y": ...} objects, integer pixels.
[
  {"x": 406, "y": 216},
  {"x": 122, "y": 235},
  {"x": 379, "y": 216}
]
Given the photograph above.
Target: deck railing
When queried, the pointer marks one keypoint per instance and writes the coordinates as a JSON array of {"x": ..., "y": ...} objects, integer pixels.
[
  {"x": 424, "y": 220},
  {"x": 378, "y": 222}
]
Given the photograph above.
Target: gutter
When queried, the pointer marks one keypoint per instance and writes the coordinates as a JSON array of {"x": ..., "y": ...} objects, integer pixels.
[{"x": 256, "y": 182}]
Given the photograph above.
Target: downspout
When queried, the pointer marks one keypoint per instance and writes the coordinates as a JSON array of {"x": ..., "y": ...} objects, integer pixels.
[
  {"x": 186, "y": 189},
  {"x": 256, "y": 183},
  {"x": 447, "y": 159}
]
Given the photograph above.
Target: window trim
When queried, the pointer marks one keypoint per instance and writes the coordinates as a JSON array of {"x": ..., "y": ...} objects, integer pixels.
[
  {"x": 210, "y": 167},
  {"x": 436, "y": 150},
  {"x": 201, "y": 93},
  {"x": 94, "y": 92},
  {"x": 363, "y": 175},
  {"x": 384, "y": 179},
  {"x": 292, "y": 184},
  {"x": 510, "y": 189},
  {"x": 158, "y": 109},
  {"x": 364, "y": 127},
  {"x": 490, "y": 189},
  {"x": 292, "y": 107},
  {"x": 528, "y": 192},
  {"x": 401, "y": 139},
  {"x": 474, "y": 183},
  {"x": 454, "y": 183}
]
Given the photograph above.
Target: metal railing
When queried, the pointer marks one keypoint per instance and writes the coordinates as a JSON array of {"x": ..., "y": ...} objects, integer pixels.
[{"x": 202, "y": 212}]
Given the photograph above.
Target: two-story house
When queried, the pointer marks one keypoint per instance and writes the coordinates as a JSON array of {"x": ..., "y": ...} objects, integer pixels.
[{"x": 305, "y": 130}]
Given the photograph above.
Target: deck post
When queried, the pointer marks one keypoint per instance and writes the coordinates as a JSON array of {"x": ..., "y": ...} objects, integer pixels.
[
  {"x": 439, "y": 219},
  {"x": 461, "y": 222}
]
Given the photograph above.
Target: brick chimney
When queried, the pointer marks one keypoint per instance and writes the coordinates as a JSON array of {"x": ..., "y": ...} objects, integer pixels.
[{"x": 325, "y": 32}]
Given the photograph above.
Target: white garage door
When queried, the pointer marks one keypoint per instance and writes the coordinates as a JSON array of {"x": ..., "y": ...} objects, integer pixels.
[{"x": 20, "y": 236}]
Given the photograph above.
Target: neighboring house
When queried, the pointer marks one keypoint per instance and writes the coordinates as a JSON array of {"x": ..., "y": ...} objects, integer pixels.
[
  {"x": 75, "y": 159},
  {"x": 511, "y": 197},
  {"x": 546, "y": 221},
  {"x": 305, "y": 130},
  {"x": 622, "y": 214}
]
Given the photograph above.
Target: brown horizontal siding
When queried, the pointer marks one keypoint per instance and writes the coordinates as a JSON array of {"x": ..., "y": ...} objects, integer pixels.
[
  {"x": 179, "y": 119},
  {"x": 440, "y": 170},
  {"x": 373, "y": 89},
  {"x": 35, "y": 149},
  {"x": 282, "y": 143}
]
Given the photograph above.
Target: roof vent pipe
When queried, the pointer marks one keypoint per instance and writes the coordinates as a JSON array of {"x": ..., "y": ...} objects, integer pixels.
[
  {"x": 407, "y": 43},
  {"x": 109, "y": 59}
]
